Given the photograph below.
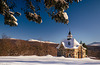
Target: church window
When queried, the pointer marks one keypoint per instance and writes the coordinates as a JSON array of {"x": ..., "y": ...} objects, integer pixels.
[
  {"x": 77, "y": 45},
  {"x": 68, "y": 43}
]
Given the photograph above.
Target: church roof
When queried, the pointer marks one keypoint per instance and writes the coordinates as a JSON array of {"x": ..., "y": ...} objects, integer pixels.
[{"x": 69, "y": 44}]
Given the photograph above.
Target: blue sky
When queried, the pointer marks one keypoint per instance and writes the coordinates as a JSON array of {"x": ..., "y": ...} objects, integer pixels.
[{"x": 84, "y": 23}]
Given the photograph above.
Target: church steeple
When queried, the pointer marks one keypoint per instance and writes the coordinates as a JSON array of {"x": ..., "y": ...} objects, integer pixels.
[
  {"x": 69, "y": 35},
  {"x": 69, "y": 32}
]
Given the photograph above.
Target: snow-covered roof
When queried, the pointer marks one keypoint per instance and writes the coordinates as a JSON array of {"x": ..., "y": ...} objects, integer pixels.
[{"x": 69, "y": 44}]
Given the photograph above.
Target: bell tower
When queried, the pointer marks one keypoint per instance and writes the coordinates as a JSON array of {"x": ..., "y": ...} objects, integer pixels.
[{"x": 69, "y": 35}]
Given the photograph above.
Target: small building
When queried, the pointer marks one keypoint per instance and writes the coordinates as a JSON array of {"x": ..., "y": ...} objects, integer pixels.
[{"x": 71, "y": 48}]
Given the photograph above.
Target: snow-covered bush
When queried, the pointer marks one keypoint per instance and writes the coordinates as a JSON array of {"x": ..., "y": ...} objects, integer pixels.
[
  {"x": 58, "y": 4},
  {"x": 37, "y": 18},
  {"x": 61, "y": 5},
  {"x": 8, "y": 15},
  {"x": 33, "y": 17},
  {"x": 17, "y": 13},
  {"x": 10, "y": 20},
  {"x": 61, "y": 17},
  {"x": 29, "y": 16},
  {"x": 3, "y": 7}
]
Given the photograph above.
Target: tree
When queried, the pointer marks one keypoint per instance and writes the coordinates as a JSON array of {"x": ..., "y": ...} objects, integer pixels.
[
  {"x": 54, "y": 8},
  {"x": 84, "y": 45},
  {"x": 80, "y": 42},
  {"x": 4, "y": 36}
]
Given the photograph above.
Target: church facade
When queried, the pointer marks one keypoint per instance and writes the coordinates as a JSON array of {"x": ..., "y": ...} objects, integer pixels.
[{"x": 71, "y": 48}]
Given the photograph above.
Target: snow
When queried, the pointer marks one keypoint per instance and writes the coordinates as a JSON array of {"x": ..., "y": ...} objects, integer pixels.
[
  {"x": 49, "y": 42},
  {"x": 94, "y": 44},
  {"x": 65, "y": 15},
  {"x": 45, "y": 60},
  {"x": 13, "y": 17},
  {"x": 33, "y": 40},
  {"x": 12, "y": 38},
  {"x": 15, "y": 23},
  {"x": 11, "y": 12}
]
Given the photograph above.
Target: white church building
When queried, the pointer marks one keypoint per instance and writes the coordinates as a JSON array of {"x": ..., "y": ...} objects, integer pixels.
[{"x": 71, "y": 48}]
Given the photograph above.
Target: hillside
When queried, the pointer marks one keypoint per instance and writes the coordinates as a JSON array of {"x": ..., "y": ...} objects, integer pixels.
[
  {"x": 93, "y": 51},
  {"x": 94, "y": 44},
  {"x": 16, "y": 47}
]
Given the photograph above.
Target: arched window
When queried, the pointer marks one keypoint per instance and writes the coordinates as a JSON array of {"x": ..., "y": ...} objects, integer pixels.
[
  {"x": 69, "y": 55},
  {"x": 68, "y": 43}
]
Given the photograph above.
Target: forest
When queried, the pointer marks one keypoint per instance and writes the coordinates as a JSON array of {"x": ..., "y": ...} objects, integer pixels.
[{"x": 16, "y": 47}]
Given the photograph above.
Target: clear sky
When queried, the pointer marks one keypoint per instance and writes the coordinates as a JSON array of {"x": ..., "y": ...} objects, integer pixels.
[{"x": 84, "y": 23}]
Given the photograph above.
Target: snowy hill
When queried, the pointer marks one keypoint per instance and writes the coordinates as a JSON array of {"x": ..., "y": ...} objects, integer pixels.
[
  {"x": 94, "y": 44},
  {"x": 33, "y": 40},
  {"x": 45, "y": 60}
]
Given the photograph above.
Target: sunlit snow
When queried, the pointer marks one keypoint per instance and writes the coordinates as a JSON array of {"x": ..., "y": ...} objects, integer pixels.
[{"x": 45, "y": 60}]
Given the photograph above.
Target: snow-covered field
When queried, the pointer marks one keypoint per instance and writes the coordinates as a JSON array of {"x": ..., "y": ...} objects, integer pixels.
[{"x": 45, "y": 60}]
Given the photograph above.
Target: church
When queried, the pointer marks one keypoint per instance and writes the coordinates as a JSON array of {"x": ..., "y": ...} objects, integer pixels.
[{"x": 71, "y": 48}]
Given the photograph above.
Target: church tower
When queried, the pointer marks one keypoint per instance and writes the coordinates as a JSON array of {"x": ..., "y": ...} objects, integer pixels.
[{"x": 69, "y": 35}]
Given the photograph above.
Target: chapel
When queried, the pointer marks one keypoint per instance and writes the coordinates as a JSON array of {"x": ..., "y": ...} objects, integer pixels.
[{"x": 71, "y": 48}]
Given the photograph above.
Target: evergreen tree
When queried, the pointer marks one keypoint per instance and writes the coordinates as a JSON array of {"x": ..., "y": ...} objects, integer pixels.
[
  {"x": 80, "y": 42},
  {"x": 84, "y": 45},
  {"x": 54, "y": 8}
]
